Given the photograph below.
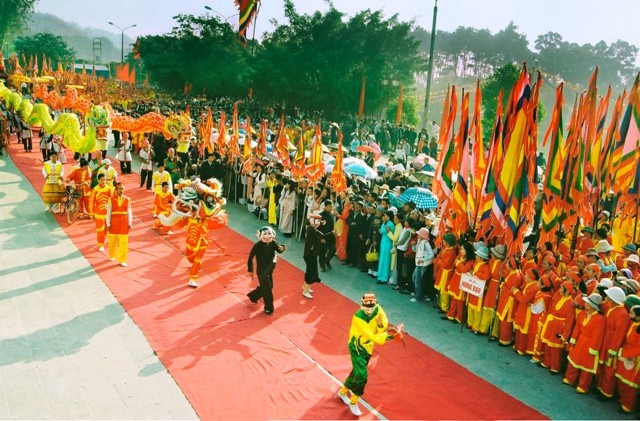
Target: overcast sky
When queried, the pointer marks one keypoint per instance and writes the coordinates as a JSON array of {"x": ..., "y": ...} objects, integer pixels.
[{"x": 580, "y": 21}]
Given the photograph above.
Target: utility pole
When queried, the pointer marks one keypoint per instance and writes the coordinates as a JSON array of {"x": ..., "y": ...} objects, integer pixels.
[{"x": 122, "y": 38}]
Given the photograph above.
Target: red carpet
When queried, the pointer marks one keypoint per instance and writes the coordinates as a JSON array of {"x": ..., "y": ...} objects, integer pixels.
[{"x": 234, "y": 362}]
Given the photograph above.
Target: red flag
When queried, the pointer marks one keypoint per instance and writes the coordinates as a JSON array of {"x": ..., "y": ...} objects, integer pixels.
[
  {"x": 282, "y": 144},
  {"x": 222, "y": 133},
  {"x": 234, "y": 149},
  {"x": 338, "y": 179},
  {"x": 261, "y": 150},
  {"x": 399, "y": 111},
  {"x": 316, "y": 168},
  {"x": 248, "y": 137},
  {"x": 361, "y": 105}
]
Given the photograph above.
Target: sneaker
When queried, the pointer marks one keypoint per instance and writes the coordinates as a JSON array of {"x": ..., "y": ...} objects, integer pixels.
[
  {"x": 268, "y": 312},
  {"x": 344, "y": 398},
  {"x": 124, "y": 264},
  {"x": 369, "y": 272},
  {"x": 307, "y": 295},
  {"x": 112, "y": 258},
  {"x": 155, "y": 216},
  {"x": 101, "y": 249},
  {"x": 47, "y": 209},
  {"x": 252, "y": 300},
  {"x": 413, "y": 300},
  {"x": 192, "y": 284},
  {"x": 355, "y": 409},
  {"x": 169, "y": 232}
]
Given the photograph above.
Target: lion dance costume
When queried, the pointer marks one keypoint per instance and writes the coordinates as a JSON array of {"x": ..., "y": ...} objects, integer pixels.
[{"x": 198, "y": 206}]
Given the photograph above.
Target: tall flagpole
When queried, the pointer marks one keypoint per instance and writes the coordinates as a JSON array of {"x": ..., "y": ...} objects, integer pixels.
[{"x": 425, "y": 116}]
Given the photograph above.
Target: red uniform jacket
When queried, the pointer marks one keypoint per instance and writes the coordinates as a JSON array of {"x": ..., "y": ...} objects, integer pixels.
[{"x": 587, "y": 340}]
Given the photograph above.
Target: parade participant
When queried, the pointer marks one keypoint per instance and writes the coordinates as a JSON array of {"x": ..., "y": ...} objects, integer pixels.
[
  {"x": 119, "y": 223},
  {"x": 445, "y": 263},
  {"x": 264, "y": 252},
  {"x": 539, "y": 306},
  {"x": 313, "y": 240},
  {"x": 81, "y": 177},
  {"x": 490, "y": 300},
  {"x": 633, "y": 263},
  {"x": 557, "y": 326},
  {"x": 616, "y": 325},
  {"x": 482, "y": 271},
  {"x": 159, "y": 177},
  {"x": 548, "y": 267},
  {"x": 522, "y": 317},
  {"x": 606, "y": 263},
  {"x": 53, "y": 173},
  {"x": 162, "y": 206},
  {"x": 591, "y": 272},
  {"x": 94, "y": 165},
  {"x": 464, "y": 264},
  {"x": 287, "y": 207},
  {"x": 386, "y": 244},
  {"x": 100, "y": 196},
  {"x": 529, "y": 260},
  {"x": 328, "y": 249},
  {"x": 146, "y": 167},
  {"x": 627, "y": 378},
  {"x": 586, "y": 341},
  {"x": 109, "y": 172},
  {"x": 423, "y": 262},
  {"x": 585, "y": 241},
  {"x": 368, "y": 327},
  {"x": 627, "y": 250},
  {"x": 506, "y": 303},
  {"x": 124, "y": 154},
  {"x": 174, "y": 167}
]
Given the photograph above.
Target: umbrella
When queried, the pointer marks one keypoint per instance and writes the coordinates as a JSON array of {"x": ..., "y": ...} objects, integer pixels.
[
  {"x": 334, "y": 147},
  {"x": 423, "y": 198},
  {"x": 424, "y": 176},
  {"x": 375, "y": 147},
  {"x": 399, "y": 167},
  {"x": 361, "y": 169},
  {"x": 419, "y": 161},
  {"x": 367, "y": 148}
]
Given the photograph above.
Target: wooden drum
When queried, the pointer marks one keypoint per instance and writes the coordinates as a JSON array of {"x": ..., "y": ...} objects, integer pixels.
[{"x": 53, "y": 193}]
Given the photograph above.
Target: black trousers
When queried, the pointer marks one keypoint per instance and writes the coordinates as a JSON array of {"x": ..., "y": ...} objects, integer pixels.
[
  {"x": 327, "y": 251},
  {"x": 125, "y": 167},
  {"x": 264, "y": 291},
  {"x": 146, "y": 175},
  {"x": 26, "y": 141},
  {"x": 311, "y": 274}
]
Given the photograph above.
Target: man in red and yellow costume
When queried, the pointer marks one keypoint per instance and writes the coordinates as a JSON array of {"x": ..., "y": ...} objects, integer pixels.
[
  {"x": 557, "y": 326},
  {"x": 199, "y": 207},
  {"x": 119, "y": 223},
  {"x": 98, "y": 208},
  {"x": 162, "y": 206},
  {"x": 81, "y": 176}
]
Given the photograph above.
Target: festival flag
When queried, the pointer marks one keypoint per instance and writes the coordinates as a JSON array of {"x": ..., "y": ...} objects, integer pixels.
[
  {"x": 625, "y": 158},
  {"x": 206, "y": 132},
  {"x": 234, "y": 149},
  {"x": 261, "y": 149},
  {"x": 627, "y": 176},
  {"x": 478, "y": 158},
  {"x": 248, "y": 9},
  {"x": 222, "y": 133},
  {"x": 45, "y": 67},
  {"x": 282, "y": 145},
  {"x": 361, "y": 104},
  {"x": 399, "y": 111},
  {"x": 248, "y": 137},
  {"x": 443, "y": 184},
  {"x": 337, "y": 178},
  {"x": 460, "y": 197},
  {"x": 188, "y": 86},
  {"x": 315, "y": 169},
  {"x": 136, "y": 49},
  {"x": 612, "y": 134},
  {"x": 552, "y": 187},
  {"x": 488, "y": 226},
  {"x": 35, "y": 65}
]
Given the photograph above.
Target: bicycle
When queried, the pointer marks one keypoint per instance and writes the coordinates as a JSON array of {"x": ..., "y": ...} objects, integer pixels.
[{"x": 70, "y": 203}]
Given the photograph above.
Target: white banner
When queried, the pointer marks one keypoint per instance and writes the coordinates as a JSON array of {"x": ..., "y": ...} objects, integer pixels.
[{"x": 472, "y": 285}]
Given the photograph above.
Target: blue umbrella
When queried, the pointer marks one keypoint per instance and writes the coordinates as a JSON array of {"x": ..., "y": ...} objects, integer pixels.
[
  {"x": 361, "y": 169},
  {"x": 423, "y": 198}
]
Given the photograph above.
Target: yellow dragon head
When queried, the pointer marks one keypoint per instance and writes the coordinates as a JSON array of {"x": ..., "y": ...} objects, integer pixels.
[
  {"x": 99, "y": 119},
  {"x": 179, "y": 125}
]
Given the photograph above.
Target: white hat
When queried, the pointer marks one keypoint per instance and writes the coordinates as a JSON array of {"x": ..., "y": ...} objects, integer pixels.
[
  {"x": 603, "y": 246},
  {"x": 606, "y": 213},
  {"x": 634, "y": 259},
  {"x": 616, "y": 294},
  {"x": 286, "y": 173},
  {"x": 106, "y": 161},
  {"x": 594, "y": 300}
]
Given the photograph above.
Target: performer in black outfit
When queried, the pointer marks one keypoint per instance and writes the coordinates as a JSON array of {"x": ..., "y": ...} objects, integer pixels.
[
  {"x": 314, "y": 240},
  {"x": 328, "y": 248},
  {"x": 265, "y": 253}
]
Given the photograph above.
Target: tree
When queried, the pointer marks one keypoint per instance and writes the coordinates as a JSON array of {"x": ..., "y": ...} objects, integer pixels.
[
  {"x": 13, "y": 16},
  {"x": 502, "y": 79},
  {"x": 202, "y": 51},
  {"x": 410, "y": 110},
  {"x": 43, "y": 43}
]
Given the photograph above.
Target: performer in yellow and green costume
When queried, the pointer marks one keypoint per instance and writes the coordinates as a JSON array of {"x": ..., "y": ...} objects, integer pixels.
[{"x": 368, "y": 327}]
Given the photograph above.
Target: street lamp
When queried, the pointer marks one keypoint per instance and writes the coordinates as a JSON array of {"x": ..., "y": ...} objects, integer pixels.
[
  {"x": 122, "y": 38},
  {"x": 226, "y": 18}
]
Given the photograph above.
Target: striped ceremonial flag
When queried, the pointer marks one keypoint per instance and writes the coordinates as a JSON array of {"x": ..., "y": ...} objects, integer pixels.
[
  {"x": 261, "y": 149},
  {"x": 478, "y": 159},
  {"x": 554, "y": 171},
  {"x": 234, "y": 148},
  {"x": 460, "y": 196},
  {"x": 625, "y": 158},
  {"x": 315, "y": 169},
  {"x": 443, "y": 184},
  {"x": 612, "y": 134},
  {"x": 248, "y": 137},
  {"x": 248, "y": 9},
  {"x": 282, "y": 145},
  {"x": 222, "y": 133},
  {"x": 488, "y": 226}
]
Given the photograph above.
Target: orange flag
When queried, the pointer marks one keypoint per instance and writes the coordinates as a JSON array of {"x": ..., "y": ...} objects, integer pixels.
[
  {"x": 338, "y": 179},
  {"x": 361, "y": 106}
]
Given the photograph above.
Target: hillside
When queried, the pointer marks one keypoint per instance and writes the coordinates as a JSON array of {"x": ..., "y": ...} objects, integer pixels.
[{"x": 80, "y": 39}]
